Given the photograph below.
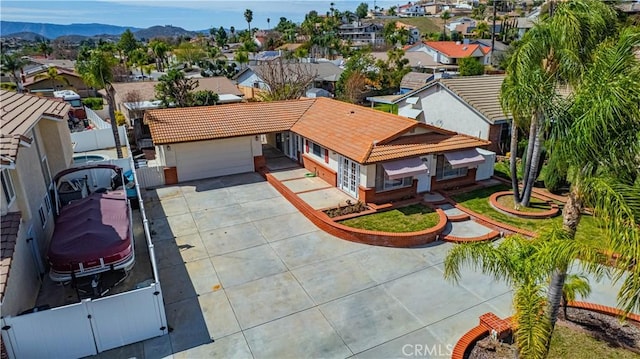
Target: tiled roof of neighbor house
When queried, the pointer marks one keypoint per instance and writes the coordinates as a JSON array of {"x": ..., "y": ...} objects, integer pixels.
[
  {"x": 453, "y": 49},
  {"x": 147, "y": 90},
  {"x": 323, "y": 70},
  {"x": 345, "y": 128},
  {"x": 175, "y": 125},
  {"x": 18, "y": 114},
  {"x": 417, "y": 145},
  {"x": 414, "y": 80},
  {"x": 36, "y": 79},
  {"x": 9, "y": 228},
  {"x": 481, "y": 92},
  {"x": 416, "y": 59}
]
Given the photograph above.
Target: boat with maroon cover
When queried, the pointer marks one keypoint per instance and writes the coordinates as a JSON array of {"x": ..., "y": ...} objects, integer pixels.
[{"x": 92, "y": 234}]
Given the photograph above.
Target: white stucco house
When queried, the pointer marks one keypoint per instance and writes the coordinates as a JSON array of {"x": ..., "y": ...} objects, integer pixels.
[
  {"x": 371, "y": 155},
  {"x": 469, "y": 105}
]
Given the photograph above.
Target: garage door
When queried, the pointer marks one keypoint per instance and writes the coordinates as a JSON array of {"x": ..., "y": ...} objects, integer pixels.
[{"x": 196, "y": 160}]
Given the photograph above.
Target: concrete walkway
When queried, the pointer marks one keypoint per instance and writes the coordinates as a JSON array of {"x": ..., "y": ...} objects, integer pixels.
[{"x": 245, "y": 275}]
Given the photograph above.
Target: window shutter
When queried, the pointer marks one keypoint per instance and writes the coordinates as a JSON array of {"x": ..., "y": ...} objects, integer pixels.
[
  {"x": 326, "y": 155},
  {"x": 306, "y": 146}
]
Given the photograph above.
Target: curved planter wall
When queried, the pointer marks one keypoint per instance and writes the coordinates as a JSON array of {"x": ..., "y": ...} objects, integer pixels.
[
  {"x": 493, "y": 200},
  {"x": 386, "y": 239}
]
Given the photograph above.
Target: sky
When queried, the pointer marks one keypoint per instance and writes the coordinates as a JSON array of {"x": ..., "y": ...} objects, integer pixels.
[{"x": 190, "y": 15}]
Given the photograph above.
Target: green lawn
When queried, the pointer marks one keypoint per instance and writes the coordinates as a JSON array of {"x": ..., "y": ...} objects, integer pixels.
[
  {"x": 536, "y": 205},
  {"x": 572, "y": 344},
  {"x": 405, "y": 219},
  {"x": 478, "y": 201}
]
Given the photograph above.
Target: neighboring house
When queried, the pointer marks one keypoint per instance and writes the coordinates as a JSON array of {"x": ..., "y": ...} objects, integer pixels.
[
  {"x": 371, "y": 155},
  {"x": 326, "y": 75},
  {"x": 523, "y": 24},
  {"x": 414, "y": 32},
  {"x": 433, "y": 8},
  {"x": 449, "y": 52},
  {"x": 411, "y": 10},
  {"x": 414, "y": 80},
  {"x": 41, "y": 85},
  {"x": 463, "y": 20},
  {"x": 359, "y": 34},
  {"x": 35, "y": 144},
  {"x": 419, "y": 61},
  {"x": 133, "y": 98},
  {"x": 469, "y": 105}
]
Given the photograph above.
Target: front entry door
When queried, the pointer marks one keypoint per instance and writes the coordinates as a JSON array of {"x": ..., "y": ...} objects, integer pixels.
[{"x": 349, "y": 176}]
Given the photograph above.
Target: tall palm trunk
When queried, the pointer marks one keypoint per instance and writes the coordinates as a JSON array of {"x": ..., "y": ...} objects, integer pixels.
[
  {"x": 533, "y": 129},
  {"x": 114, "y": 123},
  {"x": 513, "y": 162},
  {"x": 570, "y": 220},
  {"x": 533, "y": 168}
]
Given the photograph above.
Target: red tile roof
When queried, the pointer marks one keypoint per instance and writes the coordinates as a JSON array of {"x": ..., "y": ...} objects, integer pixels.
[
  {"x": 357, "y": 132},
  {"x": 9, "y": 228},
  {"x": 61, "y": 71},
  {"x": 175, "y": 125},
  {"x": 18, "y": 114},
  {"x": 454, "y": 49}
]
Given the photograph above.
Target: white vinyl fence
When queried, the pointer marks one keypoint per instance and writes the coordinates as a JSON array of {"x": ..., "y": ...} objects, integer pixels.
[
  {"x": 150, "y": 176},
  {"x": 96, "y": 139},
  {"x": 98, "y": 122},
  {"x": 88, "y": 327}
]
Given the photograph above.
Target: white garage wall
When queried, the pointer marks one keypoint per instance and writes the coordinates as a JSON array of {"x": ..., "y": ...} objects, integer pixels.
[{"x": 214, "y": 158}]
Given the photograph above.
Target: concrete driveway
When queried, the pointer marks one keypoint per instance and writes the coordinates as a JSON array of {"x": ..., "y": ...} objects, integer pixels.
[{"x": 244, "y": 274}]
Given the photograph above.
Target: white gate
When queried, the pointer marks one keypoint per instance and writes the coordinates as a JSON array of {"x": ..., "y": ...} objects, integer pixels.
[
  {"x": 139, "y": 316},
  {"x": 63, "y": 332},
  {"x": 150, "y": 176},
  {"x": 88, "y": 327}
]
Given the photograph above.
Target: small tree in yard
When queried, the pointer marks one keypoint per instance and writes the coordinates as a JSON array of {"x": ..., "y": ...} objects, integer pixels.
[
  {"x": 470, "y": 66},
  {"x": 205, "y": 98},
  {"x": 97, "y": 70},
  {"x": 174, "y": 89},
  {"x": 285, "y": 81}
]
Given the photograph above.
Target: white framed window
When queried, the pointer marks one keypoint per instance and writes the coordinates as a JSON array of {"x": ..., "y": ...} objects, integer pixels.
[
  {"x": 444, "y": 171},
  {"x": 316, "y": 149},
  {"x": 8, "y": 191},
  {"x": 46, "y": 172},
  {"x": 47, "y": 203},
  {"x": 384, "y": 183},
  {"x": 43, "y": 216}
]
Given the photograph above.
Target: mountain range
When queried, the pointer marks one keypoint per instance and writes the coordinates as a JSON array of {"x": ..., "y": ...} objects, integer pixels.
[{"x": 52, "y": 31}]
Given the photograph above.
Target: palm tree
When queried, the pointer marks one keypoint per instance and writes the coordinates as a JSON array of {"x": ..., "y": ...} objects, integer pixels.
[
  {"x": 598, "y": 139},
  {"x": 482, "y": 30},
  {"x": 523, "y": 264},
  {"x": 97, "y": 72},
  {"x": 52, "y": 75},
  {"x": 574, "y": 285},
  {"x": 241, "y": 57},
  {"x": 554, "y": 52},
  {"x": 232, "y": 30},
  {"x": 445, "y": 16},
  {"x": 11, "y": 64},
  {"x": 248, "y": 16},
  {"x": 268, "y": 24},
  {"x": 159, "y": 49},
  {"x": 44, "y": 48}
]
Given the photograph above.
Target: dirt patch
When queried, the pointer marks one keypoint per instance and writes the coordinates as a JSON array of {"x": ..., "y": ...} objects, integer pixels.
[{"x": 601, "y": 327}]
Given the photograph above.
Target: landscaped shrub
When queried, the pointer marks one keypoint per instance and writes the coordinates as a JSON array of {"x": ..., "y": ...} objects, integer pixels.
[
  {"x": 94, "y": 103},
  {"x": 9, "y": 86},
  {"x": 349, "y": 208}
]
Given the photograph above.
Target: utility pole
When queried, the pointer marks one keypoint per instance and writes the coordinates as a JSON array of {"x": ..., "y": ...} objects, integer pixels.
[{"x": 493, "y": 31}]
